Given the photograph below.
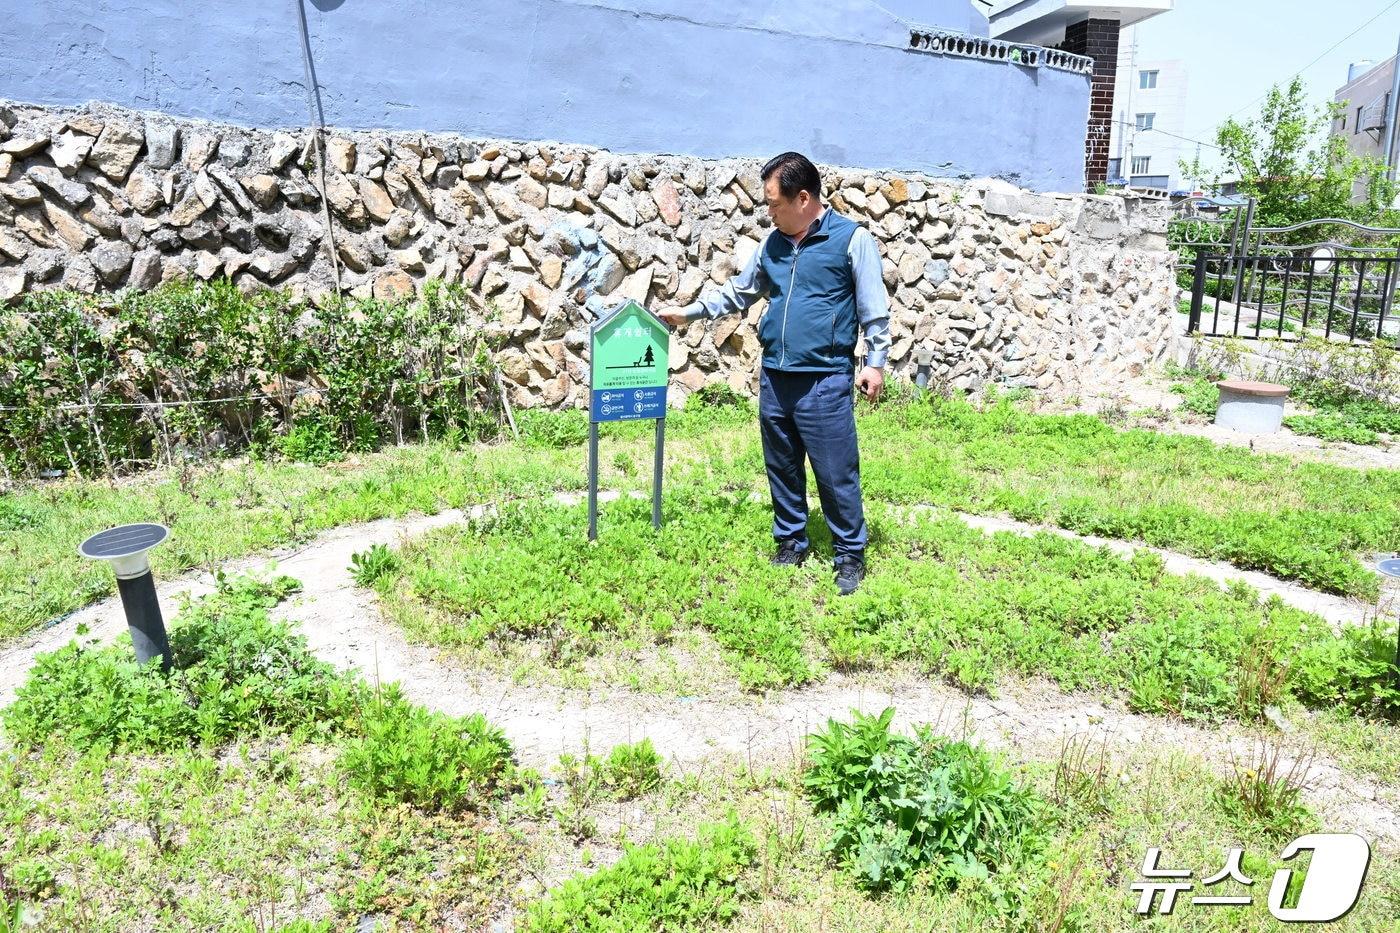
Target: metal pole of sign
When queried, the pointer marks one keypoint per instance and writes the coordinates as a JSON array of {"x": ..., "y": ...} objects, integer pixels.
[
  {"x": 656, "y": 473},
  {"x": 593, "y": 481}
]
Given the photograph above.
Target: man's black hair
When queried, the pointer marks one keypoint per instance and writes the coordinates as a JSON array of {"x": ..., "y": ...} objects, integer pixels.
[{"x": 795, "y": 173}]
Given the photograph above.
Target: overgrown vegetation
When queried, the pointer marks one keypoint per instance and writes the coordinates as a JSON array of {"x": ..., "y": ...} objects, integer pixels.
[
  {"x": 235, "y": 672},
  {"x": 940, "y": 595},
  {"x": 406, "y": 820},
  {"x": 925, "y": 807},
  {"x": 258, "y": 835},
  {"x": 105, "y": 386},
  {"x": 628, "y": 772},
  {"x": 1342, "y": 411},
  {"x": 1075, "y": 471},
  {"x": 214, "y": 764},
  {"x": 1172, "y": 491},
  {"x": 1199, "y": 393},
  {"x": 215, "y": 513},
  {"x": 371, "y": 565},
  {"x": 678, "y": 884},
  {"x": 1265, "y": 790},
  {"x": 403, "y": 753}
]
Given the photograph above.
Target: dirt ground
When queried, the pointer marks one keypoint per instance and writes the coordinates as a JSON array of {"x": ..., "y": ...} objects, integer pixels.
[{"x": 343, "y": 625}]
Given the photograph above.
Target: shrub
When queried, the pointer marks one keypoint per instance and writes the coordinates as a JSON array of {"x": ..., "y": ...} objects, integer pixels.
[
  {"x": 1331, "y": 426},
  {"x": 717, "y": 395},
  {"x": 631, "y": 770},
  {"x": 556, "y": 429},
  {"x": 1355, "y": 669},
  {"x": 234, "y": 670},
  {"x": 909, "y": 807},
  {"x": 404, "y": 753},
  {"x": 1200, "y": 395},
  {"x": 311, "y": 440},
  {"x": 381, "y": 370},
  {"x": 673, "y": 885}
]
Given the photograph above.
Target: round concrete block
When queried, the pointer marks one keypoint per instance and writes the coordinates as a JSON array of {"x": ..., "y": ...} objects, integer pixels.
[{"x": 1250, "y": 407}]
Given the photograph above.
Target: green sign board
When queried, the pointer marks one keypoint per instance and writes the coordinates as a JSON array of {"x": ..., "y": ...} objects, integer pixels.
[
  {"x": 629, "y": 350},
  {"x": 628, "y": 374}
]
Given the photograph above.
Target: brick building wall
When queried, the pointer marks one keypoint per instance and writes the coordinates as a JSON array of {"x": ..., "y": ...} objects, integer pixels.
[{"x": 1098, "y": 39}]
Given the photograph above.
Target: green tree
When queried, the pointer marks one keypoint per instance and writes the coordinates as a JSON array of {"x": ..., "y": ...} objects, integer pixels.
[{"x": 1287, "y": 160}]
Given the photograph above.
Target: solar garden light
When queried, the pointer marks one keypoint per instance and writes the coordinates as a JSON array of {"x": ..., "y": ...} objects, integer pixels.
[
  {"x": 924, "y": 361},
  {"x": 125, "y": 547},
  {"x": 1391, "y": 568}
]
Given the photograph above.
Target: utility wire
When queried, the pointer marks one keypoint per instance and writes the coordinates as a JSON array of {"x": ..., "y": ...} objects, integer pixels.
[
  {"x": 1390, "y": 6},
  {"x": 1153, "y": 129},
  {"x": 79, "y": 406}
]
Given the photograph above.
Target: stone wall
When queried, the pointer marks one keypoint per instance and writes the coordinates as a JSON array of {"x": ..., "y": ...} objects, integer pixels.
[{"x": 1051, "y": 292}]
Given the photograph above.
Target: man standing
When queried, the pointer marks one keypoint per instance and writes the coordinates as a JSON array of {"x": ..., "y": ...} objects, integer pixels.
[{"x": 821, "y": 275}]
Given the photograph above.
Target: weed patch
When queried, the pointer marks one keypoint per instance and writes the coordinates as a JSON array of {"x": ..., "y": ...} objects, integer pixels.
[
  {"x": 235, "y": 671},
  {"x": 674, "y": 885},
  {"x": 403, "y": 753},
  {"x": 916, "y": 808}
]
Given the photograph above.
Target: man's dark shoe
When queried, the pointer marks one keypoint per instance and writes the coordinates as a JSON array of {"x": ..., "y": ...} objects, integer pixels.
[
  {"x": 850, "y": 570},
  {"x": 790, "y": 554}
]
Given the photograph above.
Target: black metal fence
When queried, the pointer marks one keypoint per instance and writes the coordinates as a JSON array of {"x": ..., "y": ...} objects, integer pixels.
[
  {"x": 1290, "y": 296},
  {"x": 1211, "y": 225}
]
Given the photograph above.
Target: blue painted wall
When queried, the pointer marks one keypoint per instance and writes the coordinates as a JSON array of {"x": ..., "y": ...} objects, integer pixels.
[{"x": 711, "y": 78}]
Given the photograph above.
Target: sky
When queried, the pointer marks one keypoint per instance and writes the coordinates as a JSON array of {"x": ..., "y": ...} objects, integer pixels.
[{"x": 1234, "y": 50}]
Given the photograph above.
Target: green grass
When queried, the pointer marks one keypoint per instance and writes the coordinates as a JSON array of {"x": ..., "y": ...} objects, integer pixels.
[
  {"x": 1199, "y": 395},
  {"x": 939, "y": 595},
  {"x": 1340, "y": 417},
  {"x": 219, "y": 514},
  {"x": 1078, "y": 880},
  {"x": 1100, "y": 813},
  {"x": 679, "y": 884},
  {"x": 1300, "y": 521},
  {"x": 265, "y": 834},
  {"x": 1297, "y": 520},
  {"x": 633, "y": 586},
  {"x": 222, "y": 511},
  {"x": 234, "y": 671},
  {"x": 250, "y": 779},
  {"x": 266, "y": 818},
  {"x": 249, "y": 837},
  {"x": 1337, "y": 415},
  {"x": 1331, "y": 427}
]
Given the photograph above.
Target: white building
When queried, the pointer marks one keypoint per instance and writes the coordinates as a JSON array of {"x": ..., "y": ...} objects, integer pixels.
[
  {"x": 1096, "y": 30},
  {"x": 1146, "y": 150},
  {"x": 1364, "y": 108}
]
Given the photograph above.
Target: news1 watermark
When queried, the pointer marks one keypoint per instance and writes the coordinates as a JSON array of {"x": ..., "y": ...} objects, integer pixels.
[{"x": 1330, "y": 889}]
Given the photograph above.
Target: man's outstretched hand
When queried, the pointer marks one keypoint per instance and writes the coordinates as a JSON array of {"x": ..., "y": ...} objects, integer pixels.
[
  {"x": 672, "y": 316},
  {"x": 870, "y": 382}
]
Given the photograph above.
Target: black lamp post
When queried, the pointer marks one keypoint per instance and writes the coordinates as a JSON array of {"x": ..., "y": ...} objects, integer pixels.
[
  {"x": 1391, "y": 568},
  {"x": 924, "y": 361},
  {"x": 125, "y": 548}
]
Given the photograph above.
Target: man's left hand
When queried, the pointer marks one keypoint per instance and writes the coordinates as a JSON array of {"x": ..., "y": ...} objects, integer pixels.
[{"x": 870, "y": 382}]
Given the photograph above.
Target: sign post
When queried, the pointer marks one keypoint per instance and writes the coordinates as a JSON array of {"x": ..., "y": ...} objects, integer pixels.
[{"x": 628, "y": 369}]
